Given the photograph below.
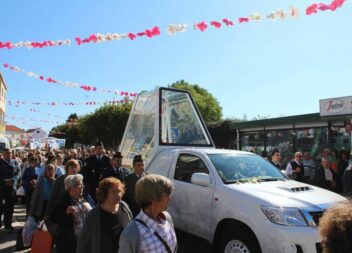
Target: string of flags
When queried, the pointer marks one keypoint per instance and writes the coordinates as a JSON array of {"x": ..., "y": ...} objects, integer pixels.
[
  {"x": 54, "y": 103},
  {"x": 51, "y": 80},
  {"x": 37, "y": 111},
  {"x": 172, "y": 29},
  {"x": 31, "y": 119},
  {"x": 21, "y": 121}
]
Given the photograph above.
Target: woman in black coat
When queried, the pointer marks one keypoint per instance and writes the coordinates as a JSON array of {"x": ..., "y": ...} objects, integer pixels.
[{"x": 70, "y": 213}]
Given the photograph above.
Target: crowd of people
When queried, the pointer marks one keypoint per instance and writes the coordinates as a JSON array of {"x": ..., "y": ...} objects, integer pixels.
[
  {"x": 332, "y": 171},
  {"x": 88, "y": 201}
]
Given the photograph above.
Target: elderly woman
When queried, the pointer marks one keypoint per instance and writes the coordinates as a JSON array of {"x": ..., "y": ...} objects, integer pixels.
[
  {"x": 153, "y": 229},
  {"x": 336, "y": 229},
  {"x": 42, "y": 192},
  {"x": 70, "y": 213},
  {"x": 104, "y": 224},
  {"x": 72, "y": 168}
]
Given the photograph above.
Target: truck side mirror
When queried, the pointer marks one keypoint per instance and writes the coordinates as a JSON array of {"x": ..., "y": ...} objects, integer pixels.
[{"x": 201, "y": 179}]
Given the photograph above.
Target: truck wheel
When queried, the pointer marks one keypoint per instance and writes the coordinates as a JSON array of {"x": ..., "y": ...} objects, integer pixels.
[{"x": 240, "y": 241}]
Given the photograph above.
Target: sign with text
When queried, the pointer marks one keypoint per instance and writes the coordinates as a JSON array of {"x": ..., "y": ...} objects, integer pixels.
[
  {"x": 49, "y": 142},
  {"x": 336, "y": 106}
]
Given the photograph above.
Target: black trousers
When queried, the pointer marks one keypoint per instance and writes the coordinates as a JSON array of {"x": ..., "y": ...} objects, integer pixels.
[
  {"x": 28, "y": 197},
  {"x": 7, "y": 204}
]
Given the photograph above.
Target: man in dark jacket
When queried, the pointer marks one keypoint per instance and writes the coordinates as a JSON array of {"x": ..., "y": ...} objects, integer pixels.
[
  {"x": 130, "y": 182},
  {"x": 347, "y": 181},
  {"x": 276, "y": 158},
  {"x": 29, "y": 180},
  {"x": 95, "y": 166},
  {"x": 115, "y": 170},
  {"x": 73, "y": 155},
  {"x": 324, "y": 176},
  {"x": 295, "y": 169},
  {"x": 9, "y": 174}
]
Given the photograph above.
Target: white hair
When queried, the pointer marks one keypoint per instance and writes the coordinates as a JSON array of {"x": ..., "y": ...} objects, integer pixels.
[{"x": 72, "y": 180}]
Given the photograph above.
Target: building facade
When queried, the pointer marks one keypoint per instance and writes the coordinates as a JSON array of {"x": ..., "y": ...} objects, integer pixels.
[
  {"x": 36, "y": 133},
  {"x": 16, "y": 136},
  {"x": 3, "y": 89},
  {"x": 330, "y": 128}
]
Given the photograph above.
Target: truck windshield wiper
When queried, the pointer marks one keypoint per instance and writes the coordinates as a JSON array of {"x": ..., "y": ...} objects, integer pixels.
[
  {"x": 269, "y": 179},
  {"x": 240, "y": 180},
  {"x": 254, "y": 180}
]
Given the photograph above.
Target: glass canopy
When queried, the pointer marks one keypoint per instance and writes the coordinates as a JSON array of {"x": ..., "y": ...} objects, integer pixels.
[{"x": 161, "y": 119}]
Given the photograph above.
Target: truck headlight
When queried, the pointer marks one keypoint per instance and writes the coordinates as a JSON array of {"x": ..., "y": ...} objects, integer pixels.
[{"x": 285, "y": 216}]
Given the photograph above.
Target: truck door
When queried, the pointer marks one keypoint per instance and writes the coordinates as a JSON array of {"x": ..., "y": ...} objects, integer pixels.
[{"x": 191, "y": 204}]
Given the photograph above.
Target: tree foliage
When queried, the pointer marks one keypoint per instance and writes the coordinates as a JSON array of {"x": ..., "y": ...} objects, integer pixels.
[
  {"x": 72, "y": 118},
  {"x": 106, "y": 124},
  {"x": 207, "y": 104},
  {"x": 67, "y": 131}
]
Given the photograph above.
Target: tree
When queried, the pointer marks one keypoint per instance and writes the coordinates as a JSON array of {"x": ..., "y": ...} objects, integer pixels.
[
  {"x": 208, "y": 105},
  {"x": 222, "y": 134},
  {"x": 72, "y": 118},
  {"x": 67, "y": 131},
  {"x": 106, "y": 124}
]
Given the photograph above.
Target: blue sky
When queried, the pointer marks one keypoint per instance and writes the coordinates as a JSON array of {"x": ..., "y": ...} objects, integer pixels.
[{"x": 262, "y": 68}]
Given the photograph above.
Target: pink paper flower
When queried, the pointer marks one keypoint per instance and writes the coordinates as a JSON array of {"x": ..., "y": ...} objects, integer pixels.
[
  {"x": 216, "y": 24},
  {"x": 312, "y": 9},
  {"x": 131, "y": 36},
  {"x": 336, "y": 4},
  {"x": 228, "y": 22},
  {"x": 243, "y": 20},
  {"x": 78, "y": 41},
  {"x": 201, "y": 26}
]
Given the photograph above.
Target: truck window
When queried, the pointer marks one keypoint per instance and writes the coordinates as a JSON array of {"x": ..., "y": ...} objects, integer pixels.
[{"x": 187, "y": 165}]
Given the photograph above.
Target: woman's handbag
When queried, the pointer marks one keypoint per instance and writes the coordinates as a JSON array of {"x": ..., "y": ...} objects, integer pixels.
[
  {"x": 20, "y": 191},
  {"x": 42, "y": 241},
  {"x": 30, "y": 227}
]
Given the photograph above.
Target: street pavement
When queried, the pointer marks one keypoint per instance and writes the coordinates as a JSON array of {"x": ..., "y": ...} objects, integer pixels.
[
  {"x": 186, "y": 243},
  {"x": 8, "y": 240}
]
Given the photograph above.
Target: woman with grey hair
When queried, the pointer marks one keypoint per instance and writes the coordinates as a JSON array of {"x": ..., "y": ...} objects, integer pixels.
[
  {"x": 153, "y": 229},
  {"x": 70, "y": 213}
]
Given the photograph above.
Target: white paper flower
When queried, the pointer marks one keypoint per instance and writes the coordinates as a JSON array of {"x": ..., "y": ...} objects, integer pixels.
[
  {"x": 67, "y": 42},
  {"x": 281, "y": 14},
  {"x": 101, "y": 37},
  {"x": 115, "y": 36},
  {"x": 294, "y": 12},
  {"x": 271, "y": 16},
  {"x": 176, "y": 28},
  {"x": 108, "y": 37},
  {"x": 256, "y": 16},
  {"x": 124, "y": 36}
]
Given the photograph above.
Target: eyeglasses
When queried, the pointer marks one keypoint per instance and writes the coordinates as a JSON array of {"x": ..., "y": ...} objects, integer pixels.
[{"x": 115, "y": 192}]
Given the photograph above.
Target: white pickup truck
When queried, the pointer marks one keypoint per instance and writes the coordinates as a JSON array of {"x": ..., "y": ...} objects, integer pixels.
[{"x": 235, "y": 200}]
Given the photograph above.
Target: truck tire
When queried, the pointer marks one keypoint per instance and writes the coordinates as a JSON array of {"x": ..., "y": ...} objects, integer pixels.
[{"x": 238, "y": 241}]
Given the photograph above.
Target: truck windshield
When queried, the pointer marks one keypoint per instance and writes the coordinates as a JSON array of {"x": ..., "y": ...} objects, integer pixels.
[{"x": 234, "y": 168}]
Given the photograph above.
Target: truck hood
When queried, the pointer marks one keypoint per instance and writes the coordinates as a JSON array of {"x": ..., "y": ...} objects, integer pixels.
[{"x": 288, "y": 194}]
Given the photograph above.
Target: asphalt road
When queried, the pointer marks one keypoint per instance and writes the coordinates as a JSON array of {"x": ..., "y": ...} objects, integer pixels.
[
  {"x": 188, "y": 243},
  {"x": 8, "y": 240}
]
